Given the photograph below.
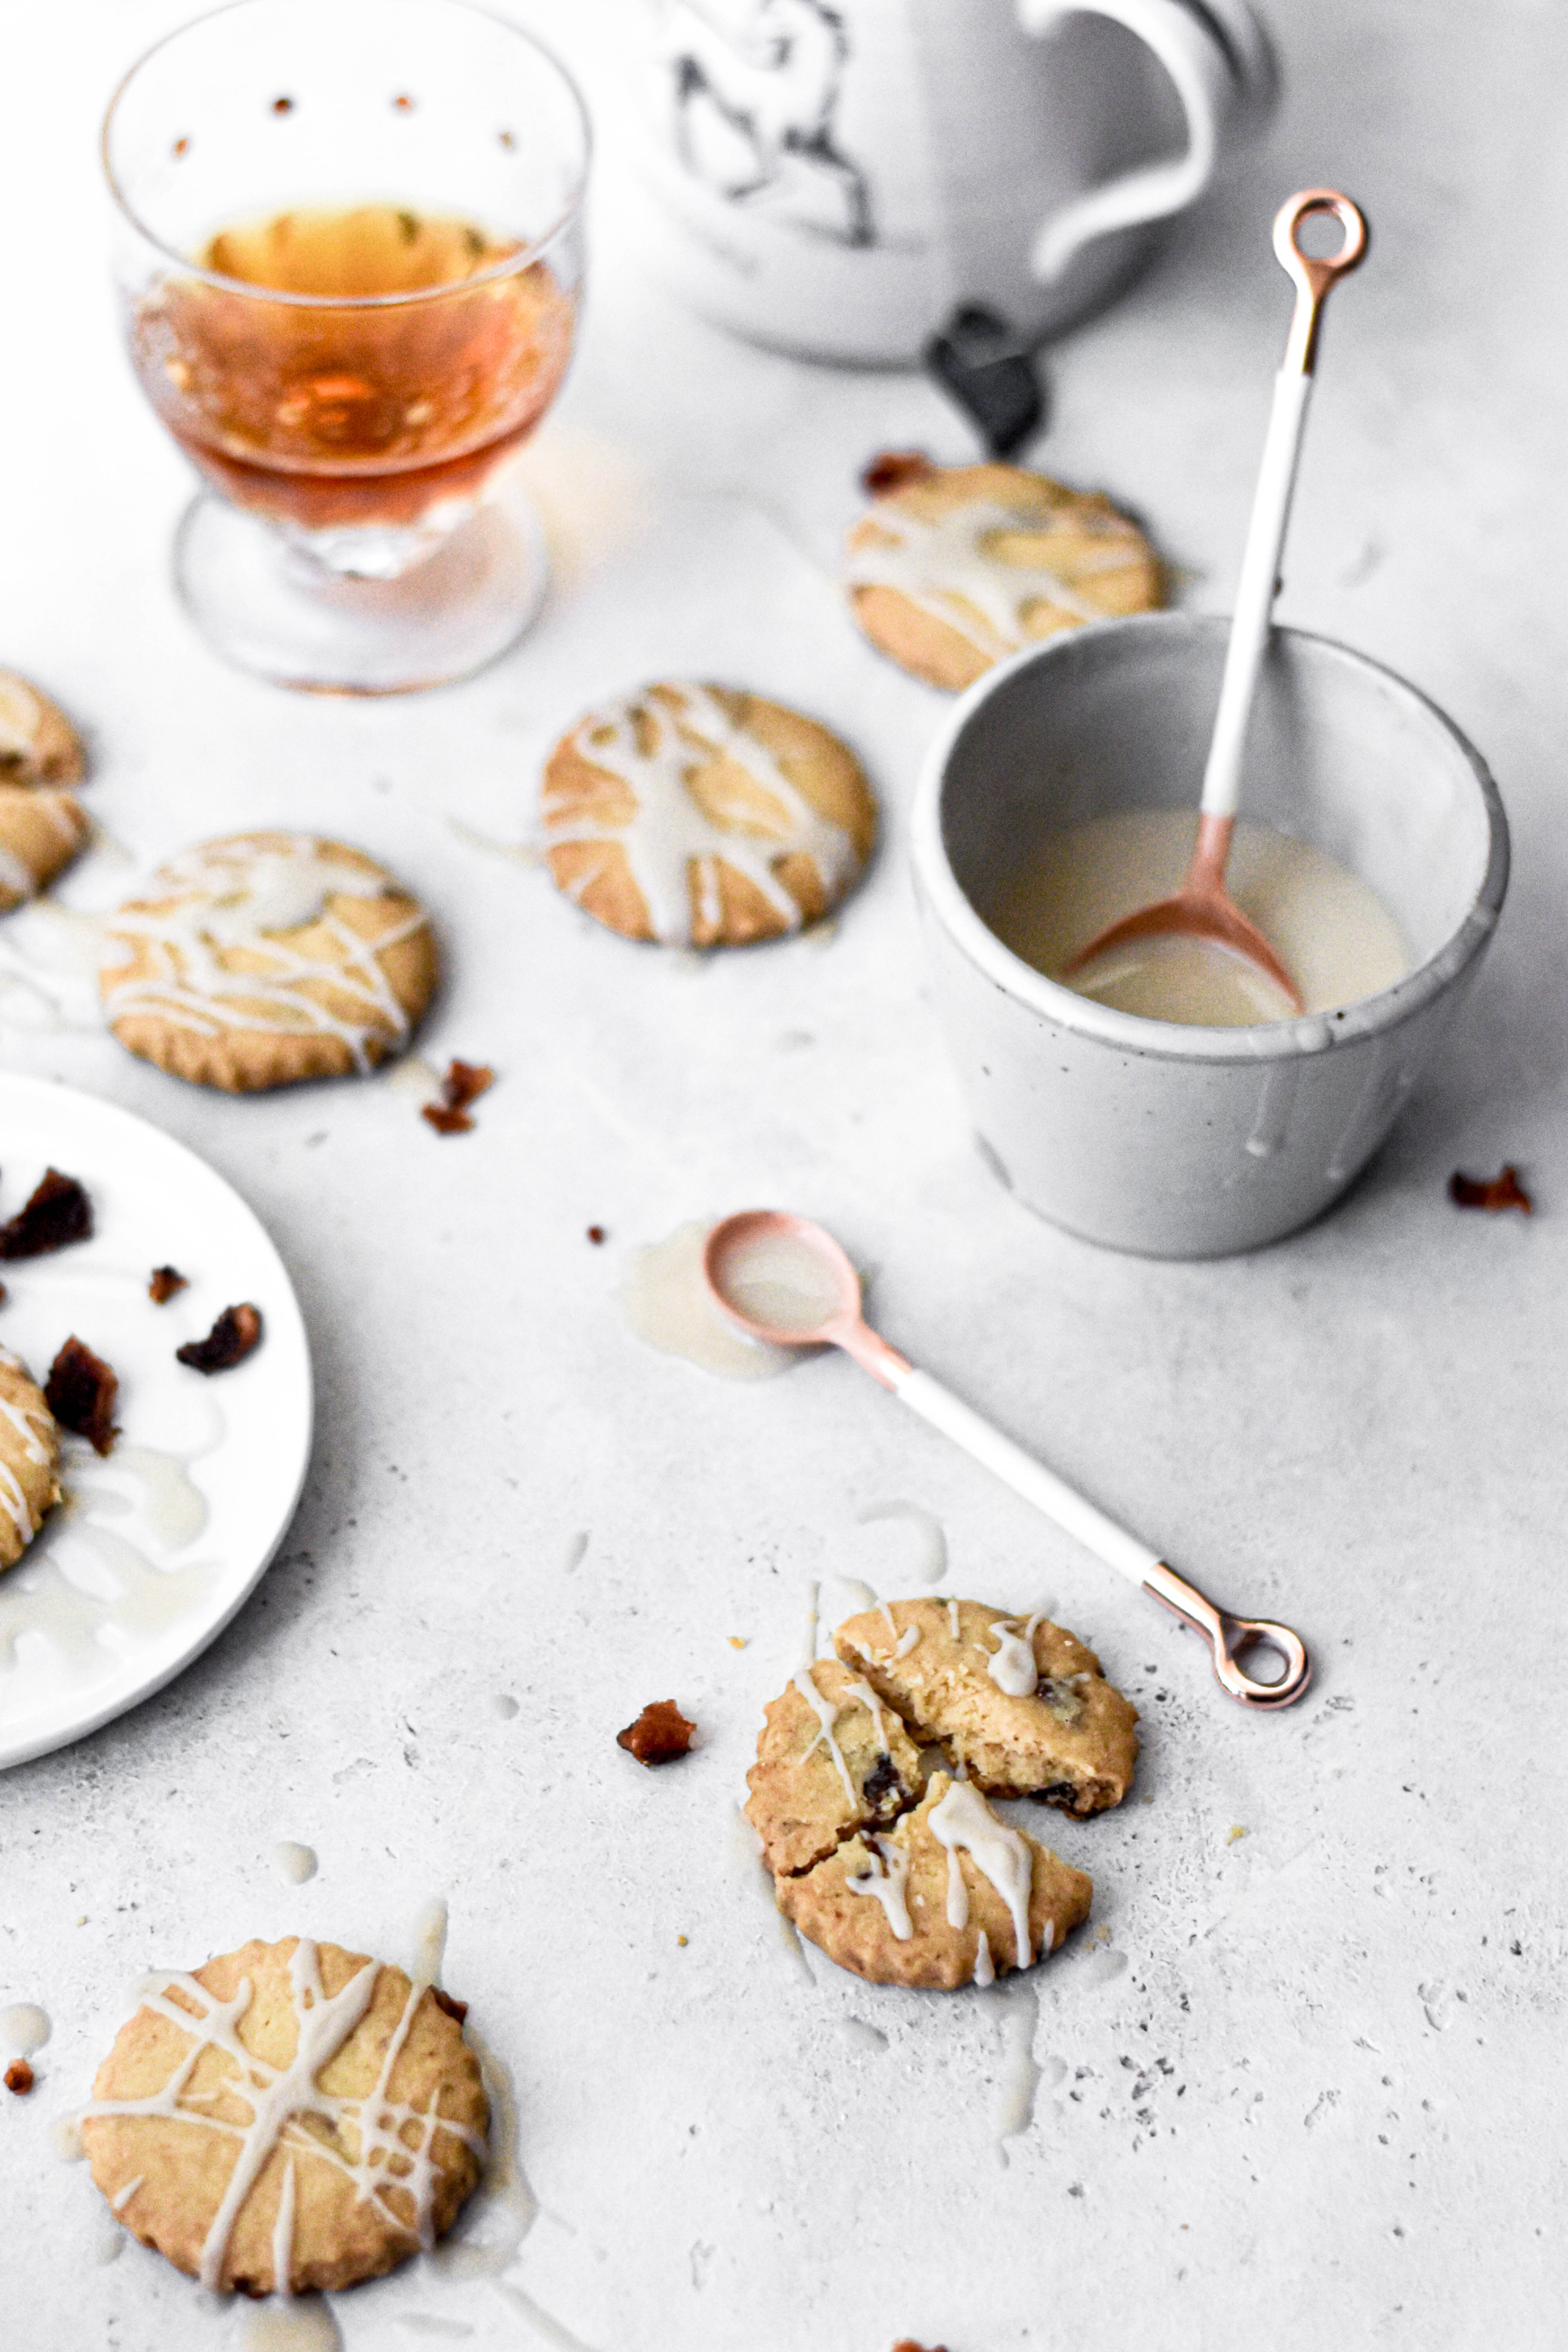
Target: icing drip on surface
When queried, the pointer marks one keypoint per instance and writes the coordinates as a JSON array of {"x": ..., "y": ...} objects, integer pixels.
[
  {"x": 1012, "y": 1665},
  {"x": 667, "y": 1302},
  {"x": 239, "y": 900},
  {"x": 947, "y": 568},
  {"x": 24, "y": 2028},
  {"x": 826, "y": 1715},
  {"x": 887, "y": 1879},
  {"x": 295, "y": 1863},
  {"x": 963, "y": 1819},
  {"x": 932, "y": 1565},
  {"x": 308, "y": 2325},
  {"x": 280, "y": 2098},
  {"x": 984, "y": 1968},
  {"x": 671, "y": 841}
]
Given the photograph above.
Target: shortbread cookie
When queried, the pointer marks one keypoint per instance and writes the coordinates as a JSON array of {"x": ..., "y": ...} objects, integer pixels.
[
  {"x": 290, "y": 2116},
  {"x": 267, "y": 958},
  {"x": 1020, "y": 1704},
  {"x": 703, "y": 817},
  {"x": 29, "y": 1459},
  {"x": 39, "y": 745},
  {"x": 949, "y": 1897},
  {"x": 958, "y": 566},
  {"x": 831, "y": 1758}
]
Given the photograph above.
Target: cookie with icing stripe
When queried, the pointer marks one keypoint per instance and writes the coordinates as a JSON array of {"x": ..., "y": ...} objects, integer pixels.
[
  {"x": 39, "y": 745},
  {"x": 29, "y": 1459},
  {"x": 702, "y": 816},
  {"x": 950, "y": 1896},
  {"x": 831, "y": 1759},
  {"x": 265, "y": 958},
  {"x": 42, "y": 826},
  {"x": 1020, "y": 1703},
  {"x": 290, "y": 2116},
  {"x": 956, "y": 566}
]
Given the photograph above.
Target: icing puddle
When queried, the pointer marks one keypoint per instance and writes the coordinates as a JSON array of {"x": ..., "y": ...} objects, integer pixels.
[{"x": 666, "y": 1300}]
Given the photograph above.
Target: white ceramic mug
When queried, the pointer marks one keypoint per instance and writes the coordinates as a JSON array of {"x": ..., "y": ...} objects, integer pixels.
[
  {"x": 1150, "y": 1135},
  {"x": 838, "y": 177}
]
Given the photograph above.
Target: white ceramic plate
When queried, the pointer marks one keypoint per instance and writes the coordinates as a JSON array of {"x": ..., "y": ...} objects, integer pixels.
[{"x": 156, "y": 1546}]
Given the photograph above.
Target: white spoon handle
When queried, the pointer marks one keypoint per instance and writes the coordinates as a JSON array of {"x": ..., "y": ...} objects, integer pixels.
[
  {"x": 1256, "y": 591},
  {"x": 1071, "y": 1510}
]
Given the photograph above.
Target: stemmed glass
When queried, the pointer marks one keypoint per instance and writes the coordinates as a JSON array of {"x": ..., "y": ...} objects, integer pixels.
[{"x": 350, "y": 256}]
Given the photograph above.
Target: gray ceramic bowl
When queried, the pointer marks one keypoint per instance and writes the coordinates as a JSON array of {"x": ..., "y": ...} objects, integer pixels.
[{"x": 1146, "y": 1135}]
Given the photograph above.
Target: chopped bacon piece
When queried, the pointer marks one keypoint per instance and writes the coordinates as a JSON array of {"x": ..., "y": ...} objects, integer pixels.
[
  {"x": 457, "y": 2009},
  {"x": 661, "y": 1733},
  {"x": 597, "y": 1235},
  {"x": 907, "y": 2343},
  {"x": 19, "y": 2077},
  {"x": 60, "y": 1211},
  {"x": 1504, "y": 1191},
  {"x": 891, "y": 469},
  {"x": 237, "y": 1331},
  {"x": 167, "y": 1280},
  {"x": 463, "y": 1082},
  {"x": 80, "y": 1393}
]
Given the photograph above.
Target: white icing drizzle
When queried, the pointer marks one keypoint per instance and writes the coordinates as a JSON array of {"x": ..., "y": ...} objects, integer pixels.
[
  {"x": 957, "y": 1892},
  {"x": 281, "y": 2098},
  {"x": 887, "y": 1879},
  {"x": 670, "y": 840},
  {"x": 886, "y": 1609},
  {"x": 827, "y": 1716},
  {"x": 984, "y": 1966},
  {"x": 946, "y": 567},
  {"x": 121, "y": 2196},
  {"x": 873, "y": 1705},
  {"x": 963, "y": 1819},
  {"x": 906, "y": 1641},
  {"x": 953, "y": 1625},
  {"x": 228, "y": 899},
  {"x": 1012, "y": 1665},
  {"x": 283, "y": 2234}
]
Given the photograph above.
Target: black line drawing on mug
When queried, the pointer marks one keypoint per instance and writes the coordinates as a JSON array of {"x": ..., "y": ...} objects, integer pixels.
[{"x": 757, "y": 86}]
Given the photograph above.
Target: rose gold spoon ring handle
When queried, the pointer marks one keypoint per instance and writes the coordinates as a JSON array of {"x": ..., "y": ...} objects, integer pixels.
[{"x": 1227, "y": 1635}]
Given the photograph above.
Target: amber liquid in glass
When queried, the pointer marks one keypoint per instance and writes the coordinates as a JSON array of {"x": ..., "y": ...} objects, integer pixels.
[{"x": 328, "y": 416}]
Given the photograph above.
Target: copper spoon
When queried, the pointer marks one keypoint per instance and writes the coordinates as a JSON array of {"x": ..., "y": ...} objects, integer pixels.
[
  {"x": 1203, "y": 909},
  {"x": 783, "y": 1279}
]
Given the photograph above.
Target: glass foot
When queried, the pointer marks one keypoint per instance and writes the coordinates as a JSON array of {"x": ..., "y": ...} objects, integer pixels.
[{"x": 268, "y": 606}]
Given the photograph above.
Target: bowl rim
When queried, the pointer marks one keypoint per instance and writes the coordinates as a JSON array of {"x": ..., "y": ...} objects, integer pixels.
[{"x": 1134, "y": 1032}]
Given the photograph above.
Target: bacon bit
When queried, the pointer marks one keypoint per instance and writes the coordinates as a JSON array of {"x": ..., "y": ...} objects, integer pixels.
[
  {"x": 1504, "y": 1191},
  {"x": 282, "y": 106},
  {"x": 907, "y": 2343},
  {"x": 892, "y": 469},
  {"x": 60, "y": 1211},
  {"x": 403, "y": 103},
  {"x": 166, "y": 1281},
  {"x": 237, "y": 1331},
  {"x": 661, "y": 1733},
  {"x": 597, "y": 1235},
  {"x": 457, "y": 2009},
  {"x": 463, "y": 1082},
  {"x": 19, "y": 2077},
  {"x": 80, "y": 1392}
]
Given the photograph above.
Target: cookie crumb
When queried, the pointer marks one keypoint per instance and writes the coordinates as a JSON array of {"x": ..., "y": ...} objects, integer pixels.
[
  {"x": 737, "y": 1641},
  {"x": 167, "y": 1281},
  {"x": 455, "y": 2008},
  {"x": 19, "y": 2077},
  {"x": 891, "y": 469},
  {"x": 680, "y": 1939},
  {"x": 1235, "y": 1832},
  {"x": 597, "y": 1235},
  {"x": 463, "y": 1082},
  {"x": 1492, "y": 1193},
  {"x": 661, "y": 1733},
  {"x": 232, "y": 1338},
  {"x": 80, "y": 1392},
  {"x": 907, "y": 2343},
  {"x": 59, "y": 1212}
]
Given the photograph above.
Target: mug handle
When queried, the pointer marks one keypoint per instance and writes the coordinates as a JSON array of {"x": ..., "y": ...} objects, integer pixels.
[{"x": 1205, "y": 84}]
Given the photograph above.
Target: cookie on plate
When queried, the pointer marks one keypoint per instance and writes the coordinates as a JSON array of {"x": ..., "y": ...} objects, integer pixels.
[
  {"x": 265, "y": 958},
  {"x": 955, "y": 566},
  {"x": 701, "y": 817},
  {"x": 1019, "y": 1703},
  {"x": 29, "y": 1459},
  {"x": 949, "y": 1897},
  {"x": 39, "y": 745},
  {"x": 292, "y": 2116},
  {"x": 831, "y": 1759}
]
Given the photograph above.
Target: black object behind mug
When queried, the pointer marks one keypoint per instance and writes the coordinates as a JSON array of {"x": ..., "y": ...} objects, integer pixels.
[{"x": 981, "y": 362}]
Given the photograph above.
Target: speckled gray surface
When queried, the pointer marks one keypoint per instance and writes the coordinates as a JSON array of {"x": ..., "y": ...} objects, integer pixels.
[{"x": 1302, "y": 2091}]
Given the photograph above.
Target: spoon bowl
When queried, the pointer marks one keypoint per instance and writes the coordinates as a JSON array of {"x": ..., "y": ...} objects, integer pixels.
[{"x": 781, "y": 1278}]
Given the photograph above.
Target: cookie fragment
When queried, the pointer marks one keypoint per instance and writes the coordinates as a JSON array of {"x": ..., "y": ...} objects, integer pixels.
[
  {"x": 80, "y": 1393},
  {"x": 1493, "y": 1192},
  {"x": 242, "y": 2071},
  {"x": 57, "y": 1213},
  {"x": 167, "y": 1283},
  {"x": 29, "y": 1458},
  {"x": 704, "y": 816},
  {"x": 463, "y": 1082},
  {"x": 1020, "y": 1703},
  {"x": 39, "y": 745},
  {"x": 659, "y": 1735},
  {"x": 831, "y": 1759},
  {"x": 891, "y": 469},
  {"x": 232, "y": 1338}
]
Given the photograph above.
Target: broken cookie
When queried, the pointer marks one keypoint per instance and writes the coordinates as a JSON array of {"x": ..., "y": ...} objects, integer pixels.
[{"x": 831, "y": 1759}]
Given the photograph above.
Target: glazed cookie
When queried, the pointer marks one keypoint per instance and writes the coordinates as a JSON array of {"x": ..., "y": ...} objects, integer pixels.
[
  {"x": 39, "y": 745},
  {"x": 41, "y": 831},
  {"x": 267, "y": 958},
  {"x": 957, "y": 565},
  {"x": 950, "y": 1896},
  {"x": 703, "y": 817},
  {"x": 29, "y": 1459},
  {"x": 290, "y": 2116},
  {"x": 830, "y": 1758},
  {"x": 1020, "y": 1704}
]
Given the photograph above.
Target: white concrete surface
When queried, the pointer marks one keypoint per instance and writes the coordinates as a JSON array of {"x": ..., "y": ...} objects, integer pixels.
[{"x": 1307, "y": 2094}]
